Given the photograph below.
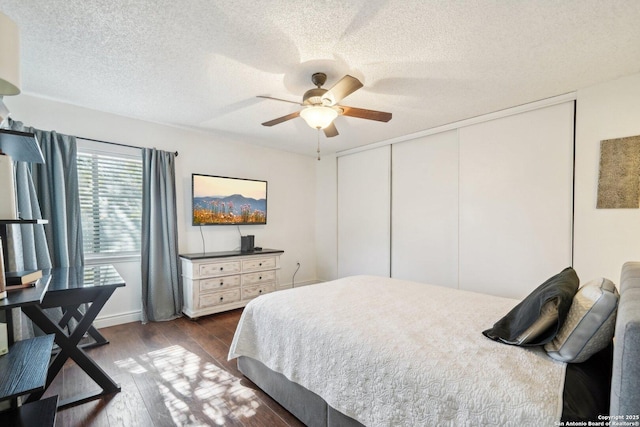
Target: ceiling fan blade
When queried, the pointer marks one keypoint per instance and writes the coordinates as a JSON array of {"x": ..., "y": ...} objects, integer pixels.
[
  {"x": 278, "y": 99},
  {"x": 361, "y": 113},
  {"x": 282, "y": 119},
  {"x": 330, "y": 131},
  {"x": 345, "y": 87}
]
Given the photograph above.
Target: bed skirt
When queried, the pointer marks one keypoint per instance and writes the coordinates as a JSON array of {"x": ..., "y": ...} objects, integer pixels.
[{"x": 305, "y": 405}]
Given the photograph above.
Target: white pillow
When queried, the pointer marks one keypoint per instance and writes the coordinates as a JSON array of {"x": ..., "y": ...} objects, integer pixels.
[{"x": 590, "y": 324}]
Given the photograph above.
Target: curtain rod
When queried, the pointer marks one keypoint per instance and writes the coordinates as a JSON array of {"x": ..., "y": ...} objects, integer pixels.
[{"x": 113, "y": 143}]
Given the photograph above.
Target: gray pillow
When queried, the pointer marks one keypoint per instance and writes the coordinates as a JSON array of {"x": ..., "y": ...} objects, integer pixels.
[{"x": 590, "y": 324}]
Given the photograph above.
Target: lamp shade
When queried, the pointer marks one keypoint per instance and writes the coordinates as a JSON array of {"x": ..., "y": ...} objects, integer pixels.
[
  {"x": 21, "y": 146},
  {"x": 318, "y": 117},
  {"x": 9, "y": 57}
]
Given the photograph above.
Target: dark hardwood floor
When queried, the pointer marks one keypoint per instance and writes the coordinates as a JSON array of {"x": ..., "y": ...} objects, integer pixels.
[{"x": 172, "y": 374}]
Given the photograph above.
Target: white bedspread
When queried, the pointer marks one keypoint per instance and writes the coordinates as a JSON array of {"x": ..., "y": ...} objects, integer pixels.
[{"x": 388, "y": 352}]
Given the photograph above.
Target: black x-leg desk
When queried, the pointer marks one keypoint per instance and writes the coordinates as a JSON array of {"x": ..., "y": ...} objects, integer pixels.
[{"x": 69, "y": 289}]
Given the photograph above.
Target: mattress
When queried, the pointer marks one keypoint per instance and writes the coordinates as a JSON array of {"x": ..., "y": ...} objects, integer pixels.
[{"x": 391, "y": 352}]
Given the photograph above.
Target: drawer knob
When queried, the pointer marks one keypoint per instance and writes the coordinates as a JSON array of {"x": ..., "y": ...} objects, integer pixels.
[
  {"x": 221, "y": 298},
  {"x": 221, "y": 268},
  {"x": 260, "y": 264},
  {"x": 260, "y": 278},
  {"x": 260, "y": 291},
  {"x": 221, "y": 283}
]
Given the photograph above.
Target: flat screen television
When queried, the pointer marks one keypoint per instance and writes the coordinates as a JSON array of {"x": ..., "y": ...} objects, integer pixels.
[{"x": 220, "y": 200}]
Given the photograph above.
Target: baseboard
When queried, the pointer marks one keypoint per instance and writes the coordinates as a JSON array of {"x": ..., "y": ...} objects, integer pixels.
[{"x": 117, "y": 319}]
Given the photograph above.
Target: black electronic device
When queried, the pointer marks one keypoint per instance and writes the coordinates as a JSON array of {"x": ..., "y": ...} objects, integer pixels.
[{"x": 246, "y": 243}]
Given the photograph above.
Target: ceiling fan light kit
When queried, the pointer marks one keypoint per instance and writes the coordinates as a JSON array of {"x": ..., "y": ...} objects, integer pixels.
[{"x": 318, "y": 117}]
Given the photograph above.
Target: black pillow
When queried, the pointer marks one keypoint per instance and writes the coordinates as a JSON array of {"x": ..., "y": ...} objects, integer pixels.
[{"x": 557, "y": 291}]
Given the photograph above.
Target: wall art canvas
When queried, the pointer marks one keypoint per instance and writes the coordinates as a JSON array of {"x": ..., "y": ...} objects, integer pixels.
[
  {"x": 619, "y": 179},
  {"x": 219, "y": 200}
]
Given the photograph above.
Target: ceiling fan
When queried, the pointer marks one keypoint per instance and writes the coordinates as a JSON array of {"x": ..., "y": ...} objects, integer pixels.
[{"x": 321, "y": 105}]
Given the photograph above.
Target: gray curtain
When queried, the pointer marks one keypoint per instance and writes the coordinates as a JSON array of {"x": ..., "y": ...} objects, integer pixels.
[
  {"x": 56, "y": 183},
  {"x": 27, "y": 243},
  {"x": 56, "y": 189},
  {"x": 161, "y": 293}
]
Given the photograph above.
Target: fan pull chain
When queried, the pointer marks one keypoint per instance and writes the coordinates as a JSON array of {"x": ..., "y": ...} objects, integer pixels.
[{"x": 318, "y": 144}]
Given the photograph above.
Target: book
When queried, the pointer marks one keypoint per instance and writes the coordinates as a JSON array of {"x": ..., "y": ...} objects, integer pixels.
[
  {"x": 14, "y": 278},
  {"x": 10, "y": 288}
]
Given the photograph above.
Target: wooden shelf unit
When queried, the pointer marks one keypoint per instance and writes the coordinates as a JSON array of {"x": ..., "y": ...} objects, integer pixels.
[
  {"x": 38, "y": 413},
  {"x": 24, "y": 369}
]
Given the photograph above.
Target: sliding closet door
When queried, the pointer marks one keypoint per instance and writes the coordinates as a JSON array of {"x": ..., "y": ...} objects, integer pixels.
[
  {"x": 364, "y": 213},
  {"x": 424, "y": 243},
  {"x": 516, "y": 177}
]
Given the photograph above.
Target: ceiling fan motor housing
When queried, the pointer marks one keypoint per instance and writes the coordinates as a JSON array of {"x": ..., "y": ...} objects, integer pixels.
[
  {"x": 318, "y": 96},
  {"x": 314, "y": 96}
]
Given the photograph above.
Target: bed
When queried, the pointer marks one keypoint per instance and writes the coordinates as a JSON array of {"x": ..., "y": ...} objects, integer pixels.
[{"x": 374, "y": 351}]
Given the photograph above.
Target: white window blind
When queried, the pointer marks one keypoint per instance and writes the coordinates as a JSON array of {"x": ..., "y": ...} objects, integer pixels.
[{"x": 111, "y": 203}]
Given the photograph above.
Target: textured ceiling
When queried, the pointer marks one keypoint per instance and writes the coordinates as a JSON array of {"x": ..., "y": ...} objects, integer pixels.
[{"x": 201, "y": 63}]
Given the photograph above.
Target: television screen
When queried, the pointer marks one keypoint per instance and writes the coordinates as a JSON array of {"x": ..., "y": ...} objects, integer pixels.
[{"x": 219, "y": 200}]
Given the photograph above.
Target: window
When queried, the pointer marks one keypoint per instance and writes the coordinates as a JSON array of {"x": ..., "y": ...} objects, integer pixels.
[{"x": 110, "y": 187}]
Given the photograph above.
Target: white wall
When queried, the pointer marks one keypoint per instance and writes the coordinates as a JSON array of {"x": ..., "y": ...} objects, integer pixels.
[
  {"x": 291, "y": 180},
  {"x": 326, "y": 218},
  {"x": 604, "y": 238}
]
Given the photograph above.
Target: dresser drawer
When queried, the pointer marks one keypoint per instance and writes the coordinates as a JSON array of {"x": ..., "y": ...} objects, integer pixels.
[
  {"x": 219, "y": 298},
  {"x": 221, "y": 268},
  {"x": 253, "y": 291},
  {"x": 222, "y": 282},
  {"x": 259, "y": 277},
  {"x": 259, "y": 264}
]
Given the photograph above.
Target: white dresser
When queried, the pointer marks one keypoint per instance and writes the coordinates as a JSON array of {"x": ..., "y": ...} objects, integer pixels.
[{"x": 219, "y": 281}]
